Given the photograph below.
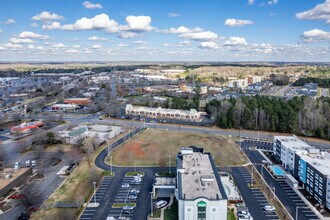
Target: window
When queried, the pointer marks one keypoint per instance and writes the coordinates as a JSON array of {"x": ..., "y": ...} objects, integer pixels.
[{"x": 201, "y": 210}]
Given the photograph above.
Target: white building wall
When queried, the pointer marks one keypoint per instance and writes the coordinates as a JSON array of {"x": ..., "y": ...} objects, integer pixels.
[{"x": 215, "y": 209}]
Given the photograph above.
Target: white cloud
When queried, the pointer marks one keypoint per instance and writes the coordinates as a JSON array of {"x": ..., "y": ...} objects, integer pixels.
[
  {"x": 138, "y": 23},
  {"x": 208, "y": 45},
  {"x": 235, "y": 41},
  {"x": 99, "y": 22},
  {"x": 200, "y": 36},
  {"x": 32, "y": 47},
  {"x": 34, "y": 24},
  {"x": 76, "y": 46},
  {"x": 127, "y": 35},
  {"x": 319, "y": 12},
  {"x": 31, "y": 35},
  {"x": 10, "y": 21},
  {"x": 140, "y": 42},
  {"x": 250, "y": 2},
  {"x": 15, "y": 40},
  {"x": 122, "y": 45},
  {"x": 232, "y": 22},
  {"x": 0, "y": 30},
  {"x": 95, "y": 38},
  {"x": 173, "y": 15},
  {"x": 196, "y": 33},
  {"x": 184, "y": 43},
  {"x": 47, "y": 16},
  {"x": 97, "y": 46},
  {"x": 58, "y": 45},
  {"x": 182, "y": 30},
  {"x": 71, "y": 51},
  {"x": 54, "y": 25},
  {"x": 90, "y": 5},
  {"x": 315, "y": 35},
  {"x": 12, "y": 46},
  {"x": 272, "y": 2}
]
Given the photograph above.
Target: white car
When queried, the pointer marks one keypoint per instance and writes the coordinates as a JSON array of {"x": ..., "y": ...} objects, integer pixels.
[
  {"x": 125, "y": 185},
  {"x": 27, "y": 163},
  {"x": 161, "y": 204},
  {"x": 269, "y": 208},
  {"x": 264, "y": 161},
  {"x": 17, "y": 165},
  {"x": 33, "y": 163}
]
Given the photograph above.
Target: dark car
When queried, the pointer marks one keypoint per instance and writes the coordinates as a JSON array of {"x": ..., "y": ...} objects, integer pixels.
[{"x": 23, "y": 216}]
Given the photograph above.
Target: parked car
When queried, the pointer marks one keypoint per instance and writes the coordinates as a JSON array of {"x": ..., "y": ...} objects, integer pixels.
[
  {"x": 134, "y": 192},
  {"x": 264, "y": 161},
  {"x": 17, "y": 196},
  {"x": 269, "y": 208},
  {"x": 32, "y": 209},
  {"x": 33, "y": 163},
  {"x": 27, "y": 163},
  {"x": 161, "y": 204},
  {"x": 23, "y": 216},
  {"x": 132, "y": 197},
  {"x": 125, "y": 185},
  {"x": 17, "y": 165},
  {"x": 128, "y": 209},
  {"x": 135, "y": 182},
  {"x": 242, "y": 213}
]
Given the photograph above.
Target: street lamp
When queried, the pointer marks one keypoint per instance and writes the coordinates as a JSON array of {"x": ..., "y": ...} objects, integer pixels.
[
  {"x": 111, "y": 165},
  {"x": 151, "y": 206},
  {"x": 169, "y": 164},
  {"x": 94, "y": 183}
]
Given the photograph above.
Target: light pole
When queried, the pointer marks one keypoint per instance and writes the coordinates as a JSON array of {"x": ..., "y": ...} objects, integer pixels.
[
  {"x": 274, "y": 189},
  {"x": 94, "y": 183},
  {"x": 111, "y": 166},
  {"x": 169, "y": 164},
  {"x": 151, "y": 206}
]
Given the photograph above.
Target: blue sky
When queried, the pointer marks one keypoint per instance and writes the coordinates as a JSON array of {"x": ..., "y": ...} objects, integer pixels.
[{"x": 165, "y": 30}]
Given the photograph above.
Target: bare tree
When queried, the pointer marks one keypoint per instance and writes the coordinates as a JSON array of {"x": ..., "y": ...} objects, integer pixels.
[
  {"x": 31, "y": 196},
  {"x": 21, "y": 146}
]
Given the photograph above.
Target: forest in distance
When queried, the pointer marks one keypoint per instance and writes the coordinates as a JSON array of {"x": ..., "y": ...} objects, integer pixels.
[{"x": 300, "y": 115}]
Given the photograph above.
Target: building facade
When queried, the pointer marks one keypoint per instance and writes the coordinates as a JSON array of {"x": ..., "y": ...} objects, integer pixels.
[
  {"x": 200, "y": 193},
  {"x": 307, "y": 164},
  {"x": 192, "y": 115}
]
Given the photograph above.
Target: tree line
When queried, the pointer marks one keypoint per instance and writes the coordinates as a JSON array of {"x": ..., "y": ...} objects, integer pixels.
[
  {"x": 300, "y": 115},
  {"x": 324, "y": 83}
]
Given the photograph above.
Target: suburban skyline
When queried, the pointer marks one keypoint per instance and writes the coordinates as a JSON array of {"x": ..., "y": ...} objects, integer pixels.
[{"x": 242, "y": 30}]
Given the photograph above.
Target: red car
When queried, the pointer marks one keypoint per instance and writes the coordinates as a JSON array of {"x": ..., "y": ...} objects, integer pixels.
[
  {"x": 32, "y": 209},
  {"x": 17, "y": 196}
]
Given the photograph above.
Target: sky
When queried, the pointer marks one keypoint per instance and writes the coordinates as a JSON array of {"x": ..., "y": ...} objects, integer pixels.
[{"x": 165, "y": 30}]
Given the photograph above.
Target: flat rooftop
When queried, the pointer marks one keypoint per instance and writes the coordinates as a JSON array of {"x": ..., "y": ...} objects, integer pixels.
[
  {"x": 320, "y": 162},
  {"x": 293, "y": 143},
  {"x": 160, "y": 181},
  {"x": 198, "y": 178}
]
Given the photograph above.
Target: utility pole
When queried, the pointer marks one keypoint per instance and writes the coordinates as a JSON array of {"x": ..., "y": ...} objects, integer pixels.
[{"x": 94, "y": 183}]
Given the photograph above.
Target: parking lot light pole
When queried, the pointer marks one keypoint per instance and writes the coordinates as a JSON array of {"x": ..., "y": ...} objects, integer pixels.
[
  {"x": 151, "y": 206},
  {"x": 94, "y": 183},
  {"x": 169, "y": 164},
  {"x": 111, "y": 165}
]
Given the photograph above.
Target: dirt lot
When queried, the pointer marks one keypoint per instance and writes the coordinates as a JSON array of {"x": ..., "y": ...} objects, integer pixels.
[{"x": 152, "y": 147}]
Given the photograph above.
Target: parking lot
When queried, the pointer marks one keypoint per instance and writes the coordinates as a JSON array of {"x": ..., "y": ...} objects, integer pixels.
[
  {"x": 97, "y": 197},
  {"x": 254, "y": 198},
  {"x": 283, "y": 191},
  {"x": 123, "y": 196}
]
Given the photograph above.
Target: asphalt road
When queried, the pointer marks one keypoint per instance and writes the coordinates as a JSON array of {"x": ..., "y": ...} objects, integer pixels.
[{"x": 283, "y": 191}]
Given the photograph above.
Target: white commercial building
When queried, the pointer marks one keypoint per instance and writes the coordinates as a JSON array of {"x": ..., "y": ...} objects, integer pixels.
[
  {"x": 200, "y": 193},
  {"x": 192, "y": 115}
]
